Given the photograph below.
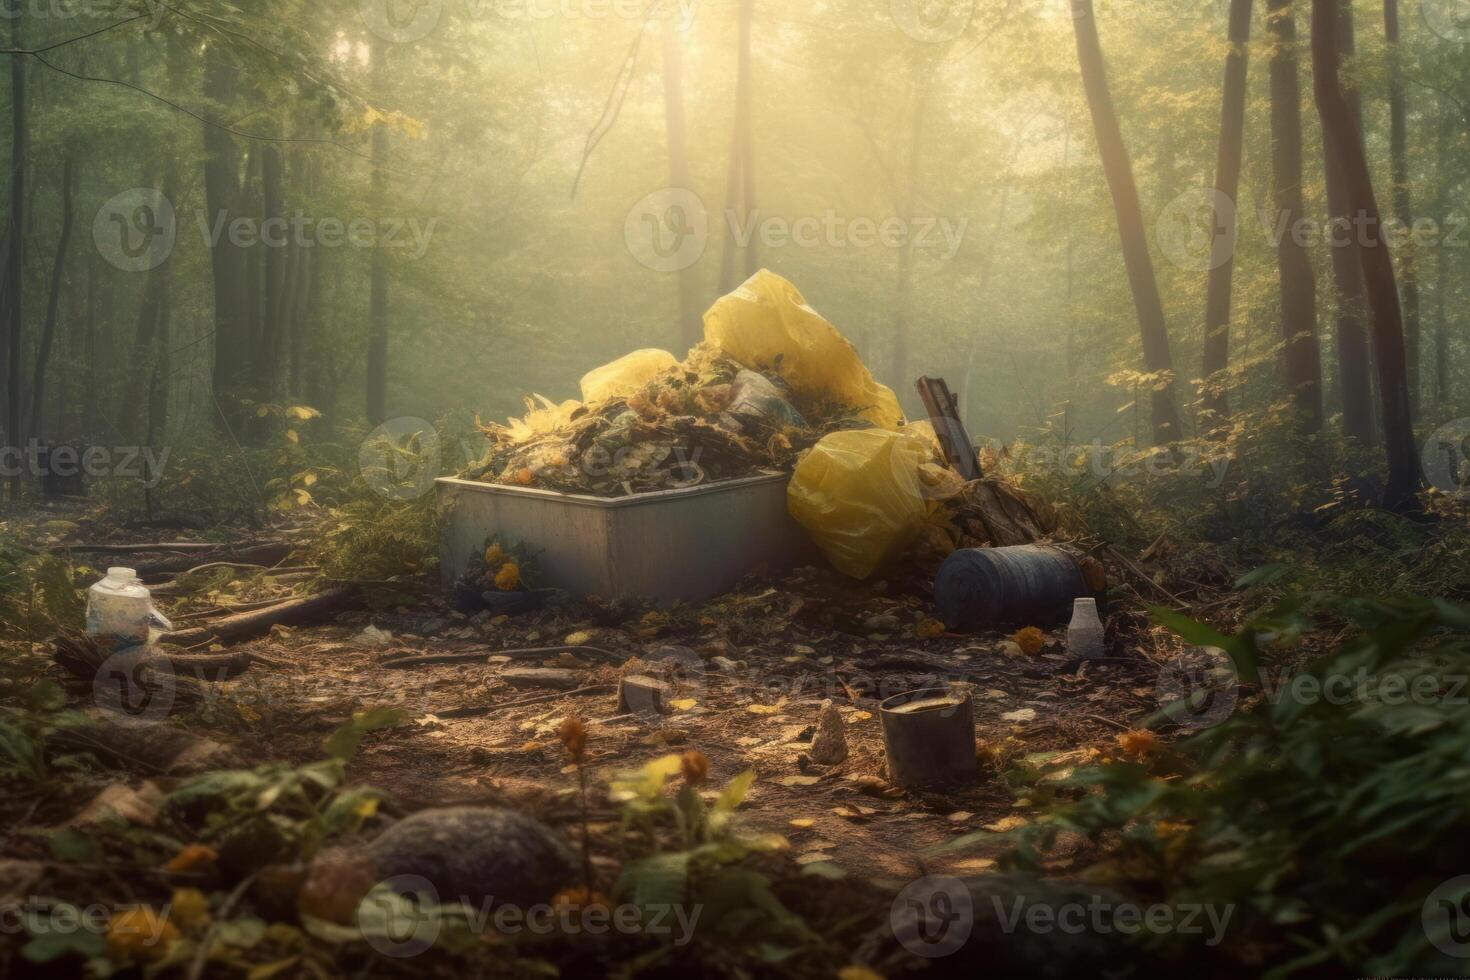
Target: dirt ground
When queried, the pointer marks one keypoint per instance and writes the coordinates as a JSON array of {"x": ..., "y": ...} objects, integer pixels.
[{"x": 750, "y": 673}]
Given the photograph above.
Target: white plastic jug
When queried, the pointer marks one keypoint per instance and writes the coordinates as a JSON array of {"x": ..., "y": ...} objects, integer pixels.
[
  {"x": 1085, "y": 632},
  {"x": 120, "y": 608}
]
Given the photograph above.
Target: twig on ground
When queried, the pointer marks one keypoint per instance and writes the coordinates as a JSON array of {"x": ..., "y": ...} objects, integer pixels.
[{"x": 476, "y": 711}]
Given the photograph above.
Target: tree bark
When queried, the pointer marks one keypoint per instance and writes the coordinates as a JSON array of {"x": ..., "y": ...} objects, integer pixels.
[
  {"x": 1344, "y": 140},
  {"x": 275, "y": 256},
  {"x": 740, "y": 182},
  {"x": 1441, "y": 275},
  {"x": 1302, "y": 355},
  {"x": 1216, "y": 402},
  {"x": 227, "y": 263},
  {"x": 690, "y": 324},
  {"x": 15, "y": 257},
  {"x": 904, "y": 298},
  {"x": 377, "y": 349},
  {"x": 1119, "y": 171},
  {"x": 1354, "y": 386},
  {"x": 53, "y": 305},
  {"x": 1402, "y": 199}
]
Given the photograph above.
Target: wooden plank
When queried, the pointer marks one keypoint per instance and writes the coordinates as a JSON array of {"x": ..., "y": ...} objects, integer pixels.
[{"x": 943, "y": 409}]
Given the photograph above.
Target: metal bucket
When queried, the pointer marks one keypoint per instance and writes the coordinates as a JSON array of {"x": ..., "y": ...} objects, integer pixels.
[
  {"x": 929, "y": 737},
  {"x": 671, "y": 546}
]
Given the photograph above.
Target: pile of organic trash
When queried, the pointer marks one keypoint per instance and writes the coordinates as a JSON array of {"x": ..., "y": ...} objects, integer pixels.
[
  {"x": 769, "y": 381},
  {"x": 774, "y": 388}
]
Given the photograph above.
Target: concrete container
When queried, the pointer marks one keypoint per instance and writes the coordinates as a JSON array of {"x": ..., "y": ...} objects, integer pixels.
[{"x": 670, "y": 546}]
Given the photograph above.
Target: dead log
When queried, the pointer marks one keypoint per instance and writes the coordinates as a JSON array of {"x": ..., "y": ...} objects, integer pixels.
[
  {"x": 82, "y": 657},
  {"x": 264, "y": 555},
  {"x": 293, "y": 612},
  {"x": 128, "y": 549}
]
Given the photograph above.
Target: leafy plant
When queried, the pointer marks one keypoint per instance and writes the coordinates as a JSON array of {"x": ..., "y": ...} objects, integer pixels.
[
  {"x": 709, "y": 862},
  {"x": 1325, "y": 814}
]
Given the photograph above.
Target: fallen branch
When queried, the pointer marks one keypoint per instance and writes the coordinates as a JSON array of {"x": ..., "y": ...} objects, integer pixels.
[
  {"x": 82, "y": 656},
  {"x": 127, "y": 549},
  {"x": 266, "y": 555},
  {"x": 526, "y": 653},
  {"x": 477, "y": 711},
  {"x": 241, "y": 626}
]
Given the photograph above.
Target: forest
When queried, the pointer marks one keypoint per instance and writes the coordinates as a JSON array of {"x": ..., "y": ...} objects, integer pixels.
[{"x": 730, "y": 488}]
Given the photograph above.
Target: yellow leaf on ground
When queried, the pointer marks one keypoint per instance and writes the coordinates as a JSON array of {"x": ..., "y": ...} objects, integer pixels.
[{"x": 1006, "y": 823}]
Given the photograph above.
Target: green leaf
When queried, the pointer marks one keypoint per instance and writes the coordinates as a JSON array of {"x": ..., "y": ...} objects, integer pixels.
[
  {"x": 734, "y": 793},
  {"x": 47, "y": 946},
  {"x": 1240, "y": 649},
  {"x": 72, "y": 845},
  {"x": 342, "y": 744},
  {"x": 656, "y": 880},
  {"x": 348, "y": 811}
]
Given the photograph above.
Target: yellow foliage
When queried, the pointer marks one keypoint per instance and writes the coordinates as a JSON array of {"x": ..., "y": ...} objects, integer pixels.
[
  {"x": 508, "y": 577},
  {"x": 140, "y": 935},
  {"x": 1031, "y": 640}
]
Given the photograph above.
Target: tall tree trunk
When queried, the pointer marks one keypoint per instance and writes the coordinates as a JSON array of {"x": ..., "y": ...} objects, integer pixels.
[
  {"x": 1302, "y": 355},
  {"x": 740, "y": 182},
  {"x": 1344, "y": 139},
  {"x": 227, "y": 262},
  {"x": 690, "y": 328},
  {"x": 1227, "y": 188},
  {"x": 275, "y": 256},
  {"x": 1402, "y": 199},
  {"x": 53, "y": 305},
  {"x": 1119, "y": 171},
  {"x": 1441, "y": 275},
  {"x": 1354, "y": 386},
  {"x": 377, "y": 349},
  {"x": 91, "y": 420},
  {"x": 15, "y": 257},
  {"x": 152, "y": 314},
  {"x": 904, "y": 294}
]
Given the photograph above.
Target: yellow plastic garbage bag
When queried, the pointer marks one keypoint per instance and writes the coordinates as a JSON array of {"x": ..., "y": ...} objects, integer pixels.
[
  {"x": 864, "y": 494},
  {"x": 625, "y": 375},
  {"x": 767, "y": 319}
]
